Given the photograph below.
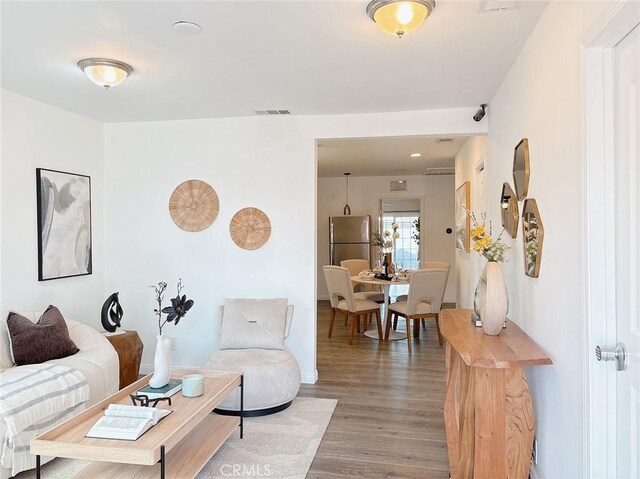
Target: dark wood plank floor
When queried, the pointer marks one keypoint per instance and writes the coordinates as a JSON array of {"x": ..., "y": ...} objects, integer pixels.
[{"x": 389, "y": 419}]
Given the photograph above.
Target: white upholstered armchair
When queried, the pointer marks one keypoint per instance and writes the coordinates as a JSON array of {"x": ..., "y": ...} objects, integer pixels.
[{"x": 252, "y": 334}]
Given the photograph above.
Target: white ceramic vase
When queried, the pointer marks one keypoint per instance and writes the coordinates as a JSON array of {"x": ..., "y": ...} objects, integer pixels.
[
  {"x": 161, "y": 363},
  {"x": 493, "y": 299}
]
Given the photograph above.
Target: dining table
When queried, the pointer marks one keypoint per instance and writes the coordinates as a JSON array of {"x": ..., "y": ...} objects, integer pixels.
[{"x": 386, "y": 288}]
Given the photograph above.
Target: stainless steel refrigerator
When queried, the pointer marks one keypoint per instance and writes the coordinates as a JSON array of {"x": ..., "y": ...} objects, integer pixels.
[{"x": 349, "y": 238}]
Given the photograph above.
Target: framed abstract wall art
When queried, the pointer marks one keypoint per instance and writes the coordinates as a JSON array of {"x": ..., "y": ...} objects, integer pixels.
[
  {"x": 463, "y": 222},
  {"x": 64, "y": 224}
]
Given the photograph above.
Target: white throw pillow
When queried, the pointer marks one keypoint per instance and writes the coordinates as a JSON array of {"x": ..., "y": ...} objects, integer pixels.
[{"x": 253, "y": 323}]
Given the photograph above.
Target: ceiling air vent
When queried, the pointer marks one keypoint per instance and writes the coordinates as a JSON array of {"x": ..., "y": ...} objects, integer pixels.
[
  {"x": 272, "y": 112},
  {"x": 399, "y": 185},
  {"x": 444, "y": 140},
  {"x": 496, "y": 5},
  {"x": 439, "y": 171}
]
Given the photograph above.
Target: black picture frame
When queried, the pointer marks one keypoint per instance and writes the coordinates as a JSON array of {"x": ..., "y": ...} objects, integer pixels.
[{"x": 63, "y": 203}]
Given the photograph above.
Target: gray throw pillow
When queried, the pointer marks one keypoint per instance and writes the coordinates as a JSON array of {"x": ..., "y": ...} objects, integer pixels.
[{"x": 34, "y": 343}]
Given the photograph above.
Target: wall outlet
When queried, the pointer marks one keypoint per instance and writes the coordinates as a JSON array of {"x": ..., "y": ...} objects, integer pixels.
[
  {"x": 174, "y": 344},
  {"x": 534, "y": 451}
]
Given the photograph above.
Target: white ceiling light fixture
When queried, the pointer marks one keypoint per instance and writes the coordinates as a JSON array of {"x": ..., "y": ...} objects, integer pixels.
[
  {"x": 105, "y": 72},
  {"x": 399, "y": 17},
  {"x": 415, "y": 155},
  {"x": 188, "y": 28}
]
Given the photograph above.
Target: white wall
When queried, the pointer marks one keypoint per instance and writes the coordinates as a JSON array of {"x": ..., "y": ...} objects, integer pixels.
[
  {"x": 269, "y": 163},
  {"x": 35, "y": 135},
  {"x": 364, "y": 195},
  {"x": 540, "y": 99},
  {"x": 469, "y": 265}
]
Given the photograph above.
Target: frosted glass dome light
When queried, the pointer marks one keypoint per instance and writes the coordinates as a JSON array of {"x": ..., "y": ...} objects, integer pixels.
[
  {"x": 399, "y": 17},
  {"x": 105, "y": 72}
]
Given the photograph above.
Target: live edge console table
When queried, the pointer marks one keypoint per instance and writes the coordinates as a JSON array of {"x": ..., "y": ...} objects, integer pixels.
[{"x": 488, "y": 412}]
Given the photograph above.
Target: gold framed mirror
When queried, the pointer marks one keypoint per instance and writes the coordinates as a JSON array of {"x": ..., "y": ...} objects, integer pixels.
[
  {"x": 509, "y": 210},
  {"x": 532, "y": 237},
  {"x": 521, "y": 168}
]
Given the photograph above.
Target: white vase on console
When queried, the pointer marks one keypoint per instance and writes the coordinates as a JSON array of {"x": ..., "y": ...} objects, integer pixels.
[
  {"x": 161, "y": 363},
  {"x": 494, "y": 300}
]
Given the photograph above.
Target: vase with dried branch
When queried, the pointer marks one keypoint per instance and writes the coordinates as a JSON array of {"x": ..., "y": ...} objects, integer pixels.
[{"x": 180, "y": 305}]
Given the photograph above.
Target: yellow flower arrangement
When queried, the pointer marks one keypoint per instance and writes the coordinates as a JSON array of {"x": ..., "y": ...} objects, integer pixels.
[
  {"x": 483, "y": 243},
  {"x": 478, "y": 232}
]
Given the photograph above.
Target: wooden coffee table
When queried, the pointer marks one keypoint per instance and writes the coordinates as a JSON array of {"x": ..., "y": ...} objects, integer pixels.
[{"x": 178, "y": 446}]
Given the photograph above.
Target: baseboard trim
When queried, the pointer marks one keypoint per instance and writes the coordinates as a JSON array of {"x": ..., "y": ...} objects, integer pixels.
[
  {"x": 310, "y": 378},
  {"x": 534, "y": 473}
]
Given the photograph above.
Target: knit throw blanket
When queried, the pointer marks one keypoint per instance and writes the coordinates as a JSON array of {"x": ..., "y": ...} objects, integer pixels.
[{"x": 34, "y": 398}]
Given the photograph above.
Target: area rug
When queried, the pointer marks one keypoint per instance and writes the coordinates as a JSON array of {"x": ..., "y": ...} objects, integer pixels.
[{"x": 280, "y": 446}]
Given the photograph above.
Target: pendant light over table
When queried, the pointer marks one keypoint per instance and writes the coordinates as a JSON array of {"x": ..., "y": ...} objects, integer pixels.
[{"x": 347, "y": 208}]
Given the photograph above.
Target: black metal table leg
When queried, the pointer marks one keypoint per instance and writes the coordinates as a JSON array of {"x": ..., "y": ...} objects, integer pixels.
[
  {"x": 241, "y": 406},
  {"x": 38, "y": 466},
  {"x": 162, "y": 462}
]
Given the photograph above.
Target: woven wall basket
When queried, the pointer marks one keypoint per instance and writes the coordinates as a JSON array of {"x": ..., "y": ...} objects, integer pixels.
[
  {"x": 250, "y": 228},
  {"x": 194, "y": 205}
]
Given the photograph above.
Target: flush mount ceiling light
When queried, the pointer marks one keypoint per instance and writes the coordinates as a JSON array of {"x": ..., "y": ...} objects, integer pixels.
[
  {"x": 415, "y": 155},
  {"x": 105, "y": 72},
  {"x": 399, "y": 17}
]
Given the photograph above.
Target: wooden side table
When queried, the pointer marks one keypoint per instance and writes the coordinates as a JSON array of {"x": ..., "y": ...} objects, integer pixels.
[
  {"x": 129, "y": 348},
  {"x": 488, "y": 411}
]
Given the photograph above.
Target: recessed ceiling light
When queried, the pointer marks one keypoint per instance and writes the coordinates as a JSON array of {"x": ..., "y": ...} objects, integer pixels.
[
  {"x": 188, "y": 28},
  {"x": 415, "y": 155}
]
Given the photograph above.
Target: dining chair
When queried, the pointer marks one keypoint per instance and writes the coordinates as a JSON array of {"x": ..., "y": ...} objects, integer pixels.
[
  {"x": 363, "y": 291},
  {"x": 403, "y": 297},
  {"x": 426, "y": 291},
  {"x": 343, "y": 300}
]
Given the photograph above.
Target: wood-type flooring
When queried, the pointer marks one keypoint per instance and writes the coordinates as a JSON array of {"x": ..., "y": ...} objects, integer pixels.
[{"x": 389, "y": 421}]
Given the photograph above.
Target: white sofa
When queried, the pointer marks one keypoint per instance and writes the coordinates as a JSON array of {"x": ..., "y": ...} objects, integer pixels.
[{"x": 97, "y": 360}]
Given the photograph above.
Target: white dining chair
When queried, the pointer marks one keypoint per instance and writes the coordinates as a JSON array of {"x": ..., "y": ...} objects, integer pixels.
[
  {"x": 343, "y": 300},
  {"x": 363, "y": 291},
  {"x": 403, "y": 297},
  {"x": 426, "y": 292}
]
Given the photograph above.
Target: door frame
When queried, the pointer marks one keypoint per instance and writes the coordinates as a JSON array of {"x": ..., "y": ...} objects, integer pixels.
[
  {"x": 479, "y": 167},
  {"x": 598, "y": 233}
]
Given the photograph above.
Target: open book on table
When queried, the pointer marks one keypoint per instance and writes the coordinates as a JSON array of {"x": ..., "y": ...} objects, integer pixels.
[{"x": 121, "y": 421}]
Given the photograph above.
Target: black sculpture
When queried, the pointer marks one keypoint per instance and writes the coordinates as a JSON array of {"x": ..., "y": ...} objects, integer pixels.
[{"x": 111, "y": 313}]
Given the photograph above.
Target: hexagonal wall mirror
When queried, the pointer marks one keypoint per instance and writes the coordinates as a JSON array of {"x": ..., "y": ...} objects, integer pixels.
[
  {"x": 509, "y": 210},
  {"x": 532, "y": 236},
  {"x": 521, "y": 168}
]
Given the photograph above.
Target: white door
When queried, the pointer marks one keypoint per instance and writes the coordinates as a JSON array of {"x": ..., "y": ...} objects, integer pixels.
[{"x": 627, "y": 246}]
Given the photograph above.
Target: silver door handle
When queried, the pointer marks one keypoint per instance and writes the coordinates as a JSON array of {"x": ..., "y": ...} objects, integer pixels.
[{"x": 617, "y": 354}]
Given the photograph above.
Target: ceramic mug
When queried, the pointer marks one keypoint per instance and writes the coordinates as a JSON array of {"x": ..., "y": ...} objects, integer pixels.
[{"x": 193, "y": 385}]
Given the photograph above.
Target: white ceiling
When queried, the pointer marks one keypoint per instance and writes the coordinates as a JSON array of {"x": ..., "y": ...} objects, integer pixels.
[
  {"x": 312, "y": 57},
  {"x": 385, "y": 156}
]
